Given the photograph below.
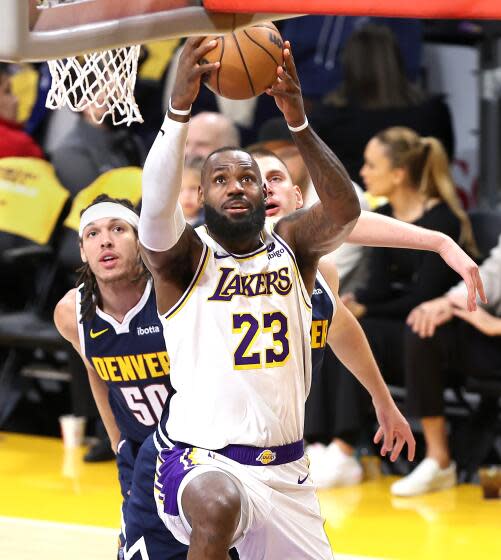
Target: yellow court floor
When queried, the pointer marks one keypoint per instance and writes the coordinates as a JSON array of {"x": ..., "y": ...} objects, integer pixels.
[{"x": 54, "y": 506}]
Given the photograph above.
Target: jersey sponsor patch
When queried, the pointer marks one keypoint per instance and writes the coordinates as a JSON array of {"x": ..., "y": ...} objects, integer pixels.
[
  {"x": 152, "y": 329},
  {"x": 272, "y": 253}
]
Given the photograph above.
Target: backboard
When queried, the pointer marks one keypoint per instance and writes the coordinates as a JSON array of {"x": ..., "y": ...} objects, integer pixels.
[{"x": 29, "y": 32}]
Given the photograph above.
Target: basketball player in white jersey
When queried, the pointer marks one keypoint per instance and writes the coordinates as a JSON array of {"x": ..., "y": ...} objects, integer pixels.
[{"x": 236, "y": 320}]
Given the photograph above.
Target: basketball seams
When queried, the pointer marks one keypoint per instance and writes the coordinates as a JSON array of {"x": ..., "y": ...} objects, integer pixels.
[
  {"x": 244, "y": 64},
  {"x": 261, "y": 25},
  {"x": 261, "y": 46},
  {"x": 248, "y": 70},
  {"x": 218, "y": 75}
]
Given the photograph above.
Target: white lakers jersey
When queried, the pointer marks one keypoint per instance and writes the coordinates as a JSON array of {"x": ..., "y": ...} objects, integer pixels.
[{"x": 239, "y": 347}]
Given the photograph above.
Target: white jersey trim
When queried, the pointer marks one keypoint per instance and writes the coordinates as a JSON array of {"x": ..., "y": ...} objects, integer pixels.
[
  {"x": 123, "y": 327},
  {"x": 198, "y": 274},
  {"x": 168, "y": 443}
]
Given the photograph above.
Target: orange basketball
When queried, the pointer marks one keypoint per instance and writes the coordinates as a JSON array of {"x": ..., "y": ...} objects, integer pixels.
[{"x": 249, "y": 59}]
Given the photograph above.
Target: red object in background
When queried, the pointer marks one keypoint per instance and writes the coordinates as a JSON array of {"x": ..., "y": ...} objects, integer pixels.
[
  {"x": 474, "y": 9},
  {"x": 15, "y": 142}
]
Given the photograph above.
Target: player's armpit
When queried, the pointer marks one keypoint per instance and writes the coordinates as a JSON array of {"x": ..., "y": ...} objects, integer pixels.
[
  {"x": 313, "y": 233},
  {"x": 160, "y": 262},
  {"x": 173, "y": 270}
]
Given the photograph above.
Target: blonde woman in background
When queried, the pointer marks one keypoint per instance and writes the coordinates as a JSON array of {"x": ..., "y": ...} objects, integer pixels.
[{"x": 412, "y": 173}]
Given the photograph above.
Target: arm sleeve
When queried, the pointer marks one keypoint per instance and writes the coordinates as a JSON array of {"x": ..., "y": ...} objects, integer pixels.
[{"x": 162, "y": 222}]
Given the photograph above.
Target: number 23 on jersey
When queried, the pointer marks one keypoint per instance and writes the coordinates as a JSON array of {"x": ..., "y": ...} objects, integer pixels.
[{"x": 245, "y": 355}]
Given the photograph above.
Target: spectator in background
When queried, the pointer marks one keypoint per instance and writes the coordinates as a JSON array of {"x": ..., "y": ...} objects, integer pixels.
[
  {"x": 91, "y": 148},
  {"x": 319, "y": 41},
  {"x": 413, "y": 174},
  {"x": 376, "y": 94},
  {"x": 208, "y": 132},
  {"x": 14, "y": 141},
  {"x": 444, "y": 336},
  {"x": 188, "y": 197}
]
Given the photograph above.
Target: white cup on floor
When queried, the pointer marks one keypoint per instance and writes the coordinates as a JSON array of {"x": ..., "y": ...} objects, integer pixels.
[{"x": 72, "y": 430}]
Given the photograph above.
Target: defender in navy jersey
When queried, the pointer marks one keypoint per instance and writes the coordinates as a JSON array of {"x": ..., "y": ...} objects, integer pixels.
[
  {"x": 129, "y": 356},
  {"x": 111, "y": 320}
]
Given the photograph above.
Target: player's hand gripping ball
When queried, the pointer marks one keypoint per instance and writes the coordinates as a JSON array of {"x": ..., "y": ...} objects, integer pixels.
[{"x": 249, "y": 59}]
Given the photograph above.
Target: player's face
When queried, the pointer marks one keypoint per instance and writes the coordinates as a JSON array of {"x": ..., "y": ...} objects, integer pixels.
[
  {"x": 233, "y": 195},
  {"x": 110, "y": 247},
  {"x": 232, "y": 184},
  {"x": 377, "y": 172},
  {"x": 282, "y": 196}
]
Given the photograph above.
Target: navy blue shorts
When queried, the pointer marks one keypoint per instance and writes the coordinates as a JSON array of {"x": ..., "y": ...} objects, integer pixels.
[
  {"x": 126, "y": 459},
  {"x": 145, "y": 533}
]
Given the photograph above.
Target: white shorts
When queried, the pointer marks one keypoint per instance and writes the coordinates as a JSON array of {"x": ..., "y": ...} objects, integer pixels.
[{"x": 280, "y": 514}]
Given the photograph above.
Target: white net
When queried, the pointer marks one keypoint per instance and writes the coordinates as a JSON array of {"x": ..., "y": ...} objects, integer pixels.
[{"x": 102, "y": 82}]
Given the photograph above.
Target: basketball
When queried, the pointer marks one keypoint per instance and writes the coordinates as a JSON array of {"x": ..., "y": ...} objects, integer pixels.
[{"x": 249, "y": 59}]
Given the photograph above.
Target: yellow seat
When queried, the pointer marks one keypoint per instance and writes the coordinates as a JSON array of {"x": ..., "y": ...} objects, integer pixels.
[
  {"x": 123, "y": 182},
  {"x": 31, "y": 198}
]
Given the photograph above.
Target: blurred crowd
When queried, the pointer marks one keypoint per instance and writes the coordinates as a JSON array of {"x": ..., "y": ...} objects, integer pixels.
[{"x": 361, "y": 80}]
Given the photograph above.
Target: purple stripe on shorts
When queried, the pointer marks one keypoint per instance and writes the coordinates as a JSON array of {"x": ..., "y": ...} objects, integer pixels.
[
  {"x": 258, "y": 456},
  {"x": 175, "y": 464}
]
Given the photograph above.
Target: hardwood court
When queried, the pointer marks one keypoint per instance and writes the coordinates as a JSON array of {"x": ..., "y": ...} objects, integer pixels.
[{"x": 54, "y": 506}]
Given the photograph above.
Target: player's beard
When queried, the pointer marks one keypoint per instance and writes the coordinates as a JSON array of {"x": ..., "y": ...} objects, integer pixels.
[{"x": 235, "y": 230}]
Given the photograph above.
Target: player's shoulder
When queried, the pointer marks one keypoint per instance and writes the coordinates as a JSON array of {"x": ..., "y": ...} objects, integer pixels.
[
  {"x": 65, "y": 315},
  {"x": 286, "y": 226},
  {"x": 328, "y": 270}
]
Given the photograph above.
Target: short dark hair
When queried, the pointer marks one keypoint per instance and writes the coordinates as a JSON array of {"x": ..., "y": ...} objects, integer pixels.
[
  {"x": 259, "y": 151},
  {"x": 220, "y": 151},
  {"x": 225, "y": 149}
]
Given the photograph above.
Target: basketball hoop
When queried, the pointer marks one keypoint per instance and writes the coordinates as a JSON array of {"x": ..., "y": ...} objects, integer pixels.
[
  {"x": 95, "y": 81},
  {"x": 59, "y": 31}
]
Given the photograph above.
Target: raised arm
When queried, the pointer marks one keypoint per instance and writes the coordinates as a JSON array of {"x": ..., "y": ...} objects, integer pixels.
[
  {"x": 323, "y": 227},
  {"x": 170, "y": 247},
  {"x": 65, "y": 319},
  {"x": 349, "y": 343},
  {"x": 376, "y": 230}
]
